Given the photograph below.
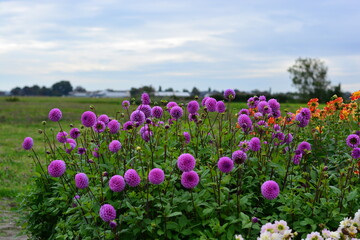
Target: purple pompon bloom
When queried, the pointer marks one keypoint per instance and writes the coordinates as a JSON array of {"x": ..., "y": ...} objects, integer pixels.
[
  {"x": 254, "y": 144},
  {"x": 75, "y": 133},
  {"x": 276, "y": 127},
  {"x": 146, "y": 109},
  {"x": 193, "y": 117},
  {"x": 104, "y": 118},
  {"x": 239, "y": 157},
  {"x": 229, "y": 94},
  {"x": 125, "y": 104},
  {"x": 190, "y": 179},
  {"x": 305, "y": 113},
  {"x": 258, "y": 115},
  {"x": 157, "y": 112},
  {"x": 145, "y": 99},
  {"x": 353, "y": 140},
  {"x": 107, "y": 213},
  {"x": 55, "y": 115},
  {"x": 302, "y": 121},
  {"x": 187, "y": 137},
  {"x": 244, "y": 146},
  {"x": 81, "y": 151},
  {"x": 117, "y": 183},
  {"x": 176, "y": 112},
  {"x": 274, "y": 104},
  {"x": 288, "y": 138},
  {"x": 304, "y": 147},
  {"x": 146, "y": 135},
  {"x": 225, "y": 164},
  {"x": 71, "y": 144},
  {"x": 61, "y": 137},
  {"x": 262, "y": 123},
  {"x": 88, "y": 119},
  {"x": 252, "y": 103},
  {"x": 220, "y": 107},
  {"x": 276, "y": 114},
  {"x": 170, "y": 105},
  {"x": 289, "y": 116},
  {"x": 99, "y": 126},
  {"x": 279, "y": 136},
  {"x": 95, "y": 153},
  {"x": 156, "y": 176},
  {"x": 132, "y": 178},
  {"x": 112, "y": 224},
  {"x": 244, "y": 111},
  {"x": 113, "y": 126},
  {"x": 28, "y": 143},
  {"x": 186, "y": 162},
  {"x": 114, "y": 146},
  {"x": 203, "y": 101},
  {"x": 244, "y": 122},
  {"x": 193, "y": 107},
  {"x": 355, "y": 153},
  {"x": 262, "y": 98},
  {"x": 128, "y": 125},
  {"x": 81, "y": 180},
  {"x": 57, "y": 168},
  {"x": 264, "y": 107},
  {"x": 210, "y": 104},
  {"x": 297, "y": 157},
  {"x": 270, "y": 189},
  {"x": 137, "y": 116}
]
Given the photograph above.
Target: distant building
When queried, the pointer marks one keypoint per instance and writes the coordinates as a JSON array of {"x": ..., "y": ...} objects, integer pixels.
[
  {"x": 172, "y": 94},
  {"x": 80, "y": 94},
  {"x": 213, "y": 93},
  {"x": 102, "y": 94},
  {"x": 2, "y": 93}
]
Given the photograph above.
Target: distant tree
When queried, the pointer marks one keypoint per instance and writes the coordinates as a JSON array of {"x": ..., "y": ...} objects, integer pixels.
[
  {"x": 44, "y": 91},
  {"x": 136, "y": 92},
  {"x": 209, "y": 89},
  {"x": 169, "y": 90},
  {"x": 16, "y": 91},
  {"x": 79, "y": 89},
  {"x": 160, "y": 89},
  {"x": 185, "y": 90},
  {"x": 195, "y": 92},
  {"x": 309, "y": 76},
  {"x": 61, "y": 88}
]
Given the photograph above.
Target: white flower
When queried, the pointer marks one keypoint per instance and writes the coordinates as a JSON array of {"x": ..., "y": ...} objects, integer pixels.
[
  {"x": 357, "y": 217},
  {"x": 281, "y": 226},
  {"x": 239, "y": 237},
  {"x": 335, "y": 235},
  {"x": 347, "y": 222}
]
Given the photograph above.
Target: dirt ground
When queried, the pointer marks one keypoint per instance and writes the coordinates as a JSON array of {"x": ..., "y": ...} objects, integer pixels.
[{"x": 8, "y": 228}]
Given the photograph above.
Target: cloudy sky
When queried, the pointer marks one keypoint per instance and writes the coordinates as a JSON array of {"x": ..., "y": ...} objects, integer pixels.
[{"x": 247, "y": 45}]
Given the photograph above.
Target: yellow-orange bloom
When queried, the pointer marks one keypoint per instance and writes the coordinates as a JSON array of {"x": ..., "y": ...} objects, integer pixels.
[{"x": 355, "y": 95}]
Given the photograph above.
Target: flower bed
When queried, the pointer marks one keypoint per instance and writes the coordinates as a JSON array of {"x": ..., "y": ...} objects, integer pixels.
[{"x": 196, "y": 170}]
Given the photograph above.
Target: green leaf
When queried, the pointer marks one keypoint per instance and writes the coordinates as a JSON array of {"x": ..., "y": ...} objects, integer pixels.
[
  {"x": 208, "y": 211},
  {"x": 335, "y": 190},
  {"x": 174, "y": 214},
  {"x": 354, "y": 194}
]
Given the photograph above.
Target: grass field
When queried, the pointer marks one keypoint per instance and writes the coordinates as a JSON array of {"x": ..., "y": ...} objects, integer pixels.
[{"x": 23, "y": 118}]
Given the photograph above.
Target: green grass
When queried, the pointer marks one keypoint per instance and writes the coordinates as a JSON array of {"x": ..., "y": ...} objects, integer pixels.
[{"x": 23, "y": 118}]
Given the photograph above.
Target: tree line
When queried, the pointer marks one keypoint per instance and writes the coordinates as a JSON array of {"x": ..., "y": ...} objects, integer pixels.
[{"x": 308, "y": 75}]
